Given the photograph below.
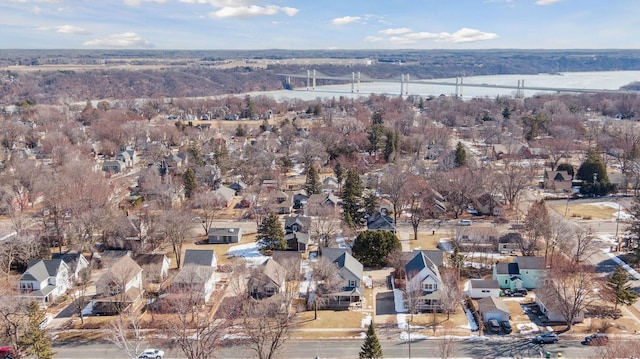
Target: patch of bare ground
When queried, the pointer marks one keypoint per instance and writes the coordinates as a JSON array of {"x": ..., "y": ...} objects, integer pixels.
[{"x": 426, "y": 240}]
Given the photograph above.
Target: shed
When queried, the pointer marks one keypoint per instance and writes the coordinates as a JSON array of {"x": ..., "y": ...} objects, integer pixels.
[
  {"x": 224, "y": 235},
  {"x": 480, "y": 288},
  {"x": 493, "y": 308}
]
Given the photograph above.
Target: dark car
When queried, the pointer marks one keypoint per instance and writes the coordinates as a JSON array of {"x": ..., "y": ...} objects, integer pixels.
[
  {"x": 493, "y": 326},
  {"x": 506, "y": 326},
  {"x": 596, "y": 339},
  {"x": 546, "y": 338},
  {"x": 519, "y": 293}
]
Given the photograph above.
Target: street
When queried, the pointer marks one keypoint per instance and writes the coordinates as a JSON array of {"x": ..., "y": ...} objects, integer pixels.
[{"x": 464, "y": 348}]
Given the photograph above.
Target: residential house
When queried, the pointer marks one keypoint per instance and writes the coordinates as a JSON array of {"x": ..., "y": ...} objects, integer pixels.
[
  {"x": 509, "y": 244},
  {"x": 476, "y": 236},
  {"x": 173, "y": 162},
  {"x": 119, "y": 288},
  {"x": 201, "y": 257},
  {"x": 107, "y": 258},
  {"x": 549, "y": 303},
  {"x": 557, "y": 181},
  {"x": 128, "y": 157},
  {"x": 283, "y": 202},
  {"x": 297, "y": 233},
  {"x": 113, "y": 166},
  {"x": 511, "y": 150},
  {"x": 381, "y": 221},
  {"x": 489, "y": 204},
  {"x": 481, "y": 288},
  {"x": 219, "y": 235},
  {"x": 351, "y": 271},
  {"x": 238, "y": 186},
  {"x": 226, "y": 194},
  {"x": 155, "y": 266},
  {"x": 45, "y": 280},
  {"x": 267, "y": 280},
  {"x": 330, "y": 185},
  {"x": 493, "y": 308},
  {"x": 523, "y": 272},
  {"x": 131, "y": 230},
  {"x": 195, "y": 278},
  {"x": 74, "y": 261},
  {"x": 322, "y": 204},
  {"x": 423, "y": 281}
]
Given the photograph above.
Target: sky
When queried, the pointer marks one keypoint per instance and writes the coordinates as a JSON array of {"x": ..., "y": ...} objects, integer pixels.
[{"x": 319, "y": 24}]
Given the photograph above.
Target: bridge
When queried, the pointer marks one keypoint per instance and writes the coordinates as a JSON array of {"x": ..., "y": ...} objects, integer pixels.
[{"x": 405, "y": 80}]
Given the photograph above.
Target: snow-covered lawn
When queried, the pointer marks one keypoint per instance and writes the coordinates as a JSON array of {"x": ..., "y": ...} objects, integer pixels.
[
  {"x": 619, "y": 213},
  {"x": 248, "y": 251}
]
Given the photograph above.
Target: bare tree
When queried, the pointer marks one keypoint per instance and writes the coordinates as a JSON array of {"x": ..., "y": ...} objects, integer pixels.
[
  {"x": 394, "y": 185},
  {"x": 326, "y": 281},
  {"x": 266, "y": 325},
  {"x": 207, "y": 204},
  {"x": 78, "y": 293},
  {"x": 173, "y": 226},
  {"x": 536, "y": 228},
  {"x": 125, "y": 332},
  {"x": 585, "y": 244},
  {"x": 513, "y": 179},
  {"x": 448, "y": 344},
  {"x": 13, "y": 317},
  {"x": 451, "y": 296},
  {"x": 623, "y": 348},
  {"x": 325, "y": 225}
]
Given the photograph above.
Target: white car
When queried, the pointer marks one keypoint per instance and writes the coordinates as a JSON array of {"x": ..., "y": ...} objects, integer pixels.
[
  {"x": 465, "y": 222},
  {"x": 151, "y": 353}
]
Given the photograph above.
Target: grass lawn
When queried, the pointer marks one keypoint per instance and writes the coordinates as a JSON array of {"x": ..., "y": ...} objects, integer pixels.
[
  {"x": 426, "y": 240},
  {"x": 456, "y": 320},
  {"x": 330, "y": 319},
  {"x": 587, "y": 211}
]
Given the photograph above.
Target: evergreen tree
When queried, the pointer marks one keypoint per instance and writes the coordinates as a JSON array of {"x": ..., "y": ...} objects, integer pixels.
[
  {"x": 593, "y": 174},
  {"x": 506, "y": 113},
  {"x": 190, "y": 182},
  {"x": 392, "y": 144},
  {"x": 271, "y": 234},
  {"x": 352, "y": 197},
  {"x": 370, "y": 203},
  {"x": 461, "y": 155},
  {"x": 371, "y": 248},
  {"x": 377, "y": 117},
  {"x": 371, "y": 349},
  {"x": 250, "y": 108},
  {"x": 34, "y": 339},
  {"x": 375, "y": 136},
  {"x": 339, "y": 171},
  {"x": 566, "y": 167},
  {"x": 313, "y": 185},
  {"x": 620, "y": 287},
  {"x": 241, "y": 131}
]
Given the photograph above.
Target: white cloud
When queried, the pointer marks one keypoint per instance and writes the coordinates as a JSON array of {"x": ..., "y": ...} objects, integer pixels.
[
  {"x": 469, "y": 35},
  {"x": 72, "y": 30},
  {"x": 139, "y": 2},
  {"x": 125, "y": 40},
  {"x": 37, "y": 1},
  {"x": 339, "y": 21},
  {"x": 374, "y": 39},
  {"x": 245, "y": 12},
  {"x": 547, "y": 2},
  {"x": 398, "y": 31}
]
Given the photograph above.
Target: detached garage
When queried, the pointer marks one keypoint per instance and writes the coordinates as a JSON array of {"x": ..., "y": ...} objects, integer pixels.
[
  {"x": 480, "y": 288},
  {"x": 493, "y": 308}
]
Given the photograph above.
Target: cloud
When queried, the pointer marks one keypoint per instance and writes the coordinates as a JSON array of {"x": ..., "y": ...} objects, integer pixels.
[
  {"x": 124, "y": 40},
  {"x": 404, "y": 36},
  {"x": 339, "y": 21},
  {"x": 398, "y": 31},
  {"x": 547, "y": 2},
  {"x": 72, "y": 30},
  {"x": 139, "y": 2},
  {"x": 246, "y": 12},
  {"x": 36, "y": 1}
]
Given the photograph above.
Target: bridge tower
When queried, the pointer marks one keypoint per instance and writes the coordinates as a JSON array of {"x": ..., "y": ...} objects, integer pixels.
[
  {"x": 314, "y": 80},
  {"x": 308, "y": 78},
  {"x": 355, "y": 82},
  {"x": 406, "y": 86}
]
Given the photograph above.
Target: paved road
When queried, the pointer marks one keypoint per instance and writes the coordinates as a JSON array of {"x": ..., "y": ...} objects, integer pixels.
[{"x": 350, "y": 348}]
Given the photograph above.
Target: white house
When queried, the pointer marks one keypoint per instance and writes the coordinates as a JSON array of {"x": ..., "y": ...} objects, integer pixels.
[
  {"x": 195, "y": 277},
  {"x": 45, "y": 280},
  {"x": 423, "y": 279},
  {"x": 479, "y": 288}
]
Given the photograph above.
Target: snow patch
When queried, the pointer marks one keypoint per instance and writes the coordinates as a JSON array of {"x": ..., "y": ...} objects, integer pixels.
[
  {"x": 473, "y": 326},
  {"x": 366, "y": 321},
  {"x": 248, "y": 251},
  {"x": 527, "y": 328}
]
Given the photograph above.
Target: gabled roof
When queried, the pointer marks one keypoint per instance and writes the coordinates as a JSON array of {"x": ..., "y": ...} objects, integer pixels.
[
  {"x": 149, "y": 258},
  {"x": 194, "y": 274},
  {"x": 42, "y": 269},
  {"x": 331, "y": 253},
  {"x": 436, "y": 255},
  {"x": 303, "y": 222},
  {"x": 380, "y": 221},
  {"x": 419, "y": 262},
  {"x": 484, "y": 283},
  {"x": 507, "y": 268},
  {"x": 273, "y": 271},
  {"x": 490, "y": 303},
  {"x": 348, "y": 262},
  {"x": 202, "y": 257},
  {"x": 226, "y": 231},
  {"x": 226, "y": 193},
  {"x": 70, "y": 259},
  {"x": 530, "y": 262}
]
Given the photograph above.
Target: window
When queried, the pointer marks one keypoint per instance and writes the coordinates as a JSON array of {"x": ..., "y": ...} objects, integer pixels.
[
  {"x": 270, "y": 290},
  {"x": 113, "y": 288},
  {"x": 429, "y": 287},
  {"x": 294, "y": 227},
  {"x": 352, "y": 283}
]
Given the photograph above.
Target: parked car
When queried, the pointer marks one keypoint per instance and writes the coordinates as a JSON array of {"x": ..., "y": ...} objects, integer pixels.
[
  {"x": 597, "y": 339},
  {"x": 516, "y": 292},
  {"x": 506, "y": 326},
  {"x": 152, "y": 354},
  {"x": 465, "y": 222},
  {"x": 494, "y": 326},
  {"x": 546, "y": 338}
]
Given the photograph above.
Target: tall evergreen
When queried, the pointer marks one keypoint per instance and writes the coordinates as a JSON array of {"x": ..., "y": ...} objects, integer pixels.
[
  {"x": 619, "y": 285},
  {"x": 190, "y": 182},
  {"x": 371, "y": 349},
  {"x": 352, "y": 197},
  {"x": 271, "y": 234},
  {"x": 313, "y": 185},
  {"x": 339, "y": 171},
  {"x": 461, "y": 155},
  {"x": 35, "y": 340}
]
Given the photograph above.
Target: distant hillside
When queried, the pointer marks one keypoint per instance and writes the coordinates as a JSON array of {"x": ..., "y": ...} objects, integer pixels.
[{"x": 50, "y": 76}]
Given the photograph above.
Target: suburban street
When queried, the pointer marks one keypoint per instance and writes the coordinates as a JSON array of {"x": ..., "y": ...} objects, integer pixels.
[{"x": 465, "y": 348}]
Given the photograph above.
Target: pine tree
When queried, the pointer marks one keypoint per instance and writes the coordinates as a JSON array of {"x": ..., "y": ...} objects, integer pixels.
[
  {"x": 371, "y": 348},
  {"x": 352, "y": 196},
  {"x": 34, "y": 340},
  {"x": 271, "y": 234},
  {"x": 619, "y": 285},
  {"x": 190, "y": 182},
  {"x": 461, "y": 155},
  {"x": 312, "y": 185}
]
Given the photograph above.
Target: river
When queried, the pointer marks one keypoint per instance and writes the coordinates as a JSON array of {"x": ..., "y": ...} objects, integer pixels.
[{"x": 606, "y": 80}]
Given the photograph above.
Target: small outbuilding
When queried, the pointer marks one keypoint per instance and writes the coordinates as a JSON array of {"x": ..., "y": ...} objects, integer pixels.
[
  {"x": 480, "y": 288},
  {"x": 493, "y": 308},
  {"x": 224, "y": 235}
]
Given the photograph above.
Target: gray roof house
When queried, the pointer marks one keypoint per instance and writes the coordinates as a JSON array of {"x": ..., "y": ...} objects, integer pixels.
[
  {"x": 296, "y": 229},
  {"x": 224, "y": 235},
  {"x": 267, "y": 280},
  {"x": 119, "y": 288},
  {"x": 423, "y": 279},
  {"x": 201, "y": 257},
  {"x": 523, "y": 272},
  {"x": 549, "y": 303},
  {"x": 75, "y": 261},
  {"x": 193, "y": 277},
  {"x": 45, "y": 280},
  {"x": 381, "y": 221},
  {"x": 351, "y": 271},
  {"x": 226, "y": 194},
  {"x": 155, "y": 266}
]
